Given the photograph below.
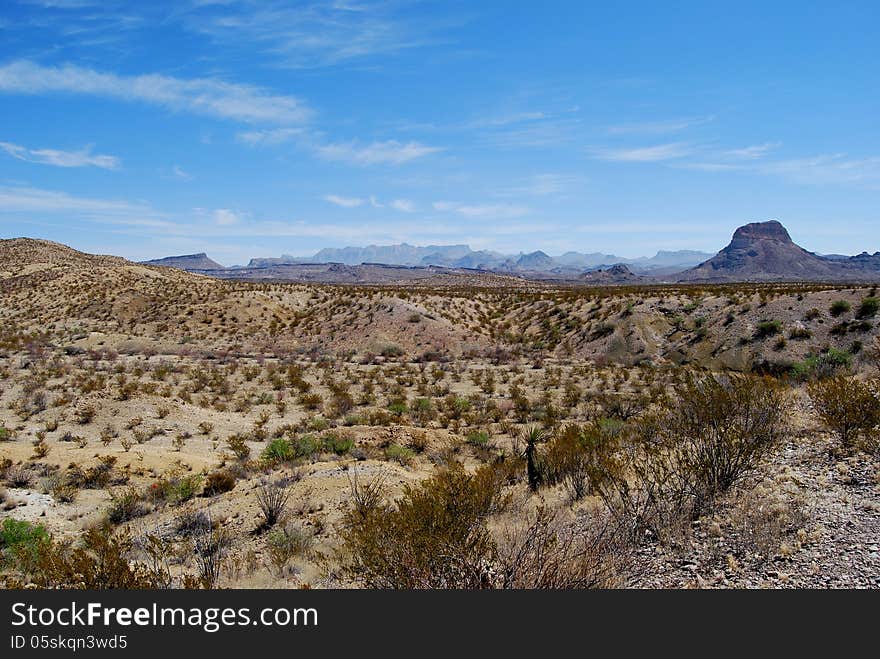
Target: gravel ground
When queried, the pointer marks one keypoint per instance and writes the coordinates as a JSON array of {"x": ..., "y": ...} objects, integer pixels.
[{"x": 835, "y": 544}]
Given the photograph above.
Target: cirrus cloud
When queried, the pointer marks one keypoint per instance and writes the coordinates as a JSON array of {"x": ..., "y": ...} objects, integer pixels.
[
  {"x": 82, "y": 158},
  {"x": 203, "y": 96},
  {"x": 344, "y": 202},
  {"x": 655, "y": 153},
  {"x": 390, "y": 152}
]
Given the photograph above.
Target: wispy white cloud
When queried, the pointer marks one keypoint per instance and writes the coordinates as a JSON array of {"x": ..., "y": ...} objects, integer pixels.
[
  {"x": 753, "y": 152},
  {"x": 823, "y": 169},
  {"x": 344, "y": 202},
  {"x": 711, "y": 166},
  {"x": 508, "y": 119},
  {"x": 655, "y": 153},
  {"x": 834, "y": 169},
  {"x": 541, "y": 185},
  {"x": 529, "y": 128},
  {"x": 225, "y": 217},
  {"x": 492, "y": 211},
  {"x": 63, "y": 4},
  {"x": 658, "y": 127},
  {"x": 390, "y": 152},
  {"x": 180, "y": 173},
  {"x": 202, "y": 96},
  {"x": 314, "y": 34},
  {"x": 482, "y": 211},
  {"x": 16, "y": 199},
  {"x": 269, "y": 137},
  {"x": 402, "y": 205},
  {"x": 82, "y": 158}
]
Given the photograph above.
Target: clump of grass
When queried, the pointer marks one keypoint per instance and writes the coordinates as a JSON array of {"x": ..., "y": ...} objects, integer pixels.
[
  {"x": 286, "y": 543},
  {"x": 868, "y": 308},
  {"x": 20, "y": 541},
  {"x": 125, "y": 506},
  {"x": 400, "y": 454},
  {"x": 478, "y": 438},
  {"x": 839, "y": 307},
  {"x": 767, "y": 328}
]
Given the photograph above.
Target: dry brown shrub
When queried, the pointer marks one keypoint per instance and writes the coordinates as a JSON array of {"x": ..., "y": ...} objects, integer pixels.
[
  {"x": 673, "y": 464},
  {"x": 547, "y": 552},
  {"x": 848, "y": 407},
  {"x": 434, "y": 536}
]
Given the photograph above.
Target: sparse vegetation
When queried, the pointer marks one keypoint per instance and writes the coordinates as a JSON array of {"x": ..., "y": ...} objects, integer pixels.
[{"x": 606, "y": 422}]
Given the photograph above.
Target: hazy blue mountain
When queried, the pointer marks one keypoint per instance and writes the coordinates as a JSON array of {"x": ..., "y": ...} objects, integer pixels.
[
  {"x": 402, "y": 254},
  {"x": 535, "y": 261}
]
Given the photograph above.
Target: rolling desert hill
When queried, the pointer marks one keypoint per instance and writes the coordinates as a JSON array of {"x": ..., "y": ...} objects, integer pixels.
[{"x": 82, "y": 301}]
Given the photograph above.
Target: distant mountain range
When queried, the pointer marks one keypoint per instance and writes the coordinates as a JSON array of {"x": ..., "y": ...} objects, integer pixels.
[
  {"x": 759, "y": 251},
  {"x": 462, "y": 256}
]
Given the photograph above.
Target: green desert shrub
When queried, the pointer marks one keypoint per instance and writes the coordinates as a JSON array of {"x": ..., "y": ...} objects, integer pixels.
[
  {"x": 339, "y": 443},
  {"x": 286, "y": 543},
  {"x": 822, "y": 365},
  {"x": 839, "y": 307},
  {"x": 574, "y": 456},
  {"x": 307, "y": 446},
  {"x": 478, "y": 438},
  {"x": 868, "y": 308},
  {"x": 277, "y": 451},
  {"x": 20, "y": 541},
  {"x": 400, "y": 454},
  {"x": 767, "y": 328}
]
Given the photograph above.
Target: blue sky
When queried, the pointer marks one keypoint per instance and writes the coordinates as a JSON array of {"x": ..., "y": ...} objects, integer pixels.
[{"x": 245, "y": 128}]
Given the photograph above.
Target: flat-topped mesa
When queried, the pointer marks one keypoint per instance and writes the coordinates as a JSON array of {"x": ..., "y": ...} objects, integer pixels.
[
  {"x": 748, "y": 233},
  {"x": 199, "y": 261}
]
